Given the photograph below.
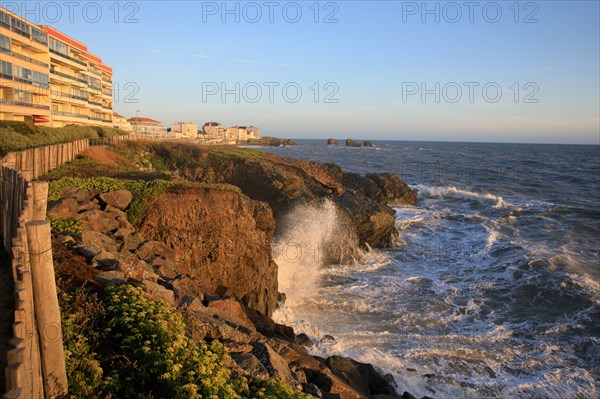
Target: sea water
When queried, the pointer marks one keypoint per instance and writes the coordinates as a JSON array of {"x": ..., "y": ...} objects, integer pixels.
[{"x": 493, "y": 289}]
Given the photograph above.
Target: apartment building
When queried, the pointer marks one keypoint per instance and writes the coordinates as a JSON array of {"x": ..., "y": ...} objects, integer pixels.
[
  {"x": 183, "y": 130},
  {"x": 147, "y": 126},
  {"x": 49, "y": 78},
  {"x": 120, "y": 122}
]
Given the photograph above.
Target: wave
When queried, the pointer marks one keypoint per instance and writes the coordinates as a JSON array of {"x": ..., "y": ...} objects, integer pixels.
[{"x": 428, "y": 192}]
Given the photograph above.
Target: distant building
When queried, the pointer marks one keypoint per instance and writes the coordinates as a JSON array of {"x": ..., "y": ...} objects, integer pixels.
[
  {"x": 186, "y": 130},
  {"x": 236, "y": 133},
  {"x": 147, "y": 126},
  {"x": 213, "y": 131},
  {"x": 120, "y": 122},
  {"x": 253, "y": 132}
]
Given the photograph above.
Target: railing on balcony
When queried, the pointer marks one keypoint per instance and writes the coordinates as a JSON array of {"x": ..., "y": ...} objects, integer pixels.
[
  {"x": 71, "y": 114},
  {"x": 107, "y": 107},
  {"x": 95, "y": 103},
  {"x": 64, "y": 75},
  {"x": 23, "y": 57},
  {"x": 75, "y": 60},
  {"x": 94, "y": 72},
  {"x": 108, "y": 81},
  {"x": 22, "y": 104}
]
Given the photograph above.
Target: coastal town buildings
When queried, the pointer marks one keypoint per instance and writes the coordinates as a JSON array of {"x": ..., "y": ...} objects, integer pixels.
[
  {"x": 49, "y": 78},
  {"x": 147, "y": 126},
  {"x": 183, "y": 130},
  {"x": 213, "y": 131}
]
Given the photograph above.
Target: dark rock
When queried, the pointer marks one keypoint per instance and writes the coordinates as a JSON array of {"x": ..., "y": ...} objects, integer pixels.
[
  {"x": 407, "y": 395},
  {"x": 273, "y": 362},
  {"x": 393, "y": 190},
  {"x": 119, "y": 199},
  {"x": 93, "y": 242},
  {"x": 312, "y": 389},
  {"x": 346, "y": 370},
  {"x": 132, "y": 242},
  {"x": 304, "y": 340},
  {"x": 352, "y": 143},
  {"x": 332, "y": 142},
  {"x": 429, "y": 375},
  {"x": 165, "y": 267},
  {"x": 490, "y": 372},
  {"x": 329, "y": 382},
  {"x": 112, "y": 277},
  {"x": 368, "y": 143},
  {"x": 327, "y": 338},
  {"x": 251, "y": 365}
]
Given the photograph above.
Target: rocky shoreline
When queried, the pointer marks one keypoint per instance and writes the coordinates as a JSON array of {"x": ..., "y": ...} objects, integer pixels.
[{"x": 204, "y": 247}]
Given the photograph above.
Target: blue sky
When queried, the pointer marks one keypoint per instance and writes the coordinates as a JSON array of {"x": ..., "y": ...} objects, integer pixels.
[{"x": 361, "y": 67}]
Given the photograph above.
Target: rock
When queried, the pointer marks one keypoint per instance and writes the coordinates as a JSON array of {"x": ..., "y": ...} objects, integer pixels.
[
  {"x": 88, "y": 206},
  {"x": 165, "y": 268},
  {"x": 273, "y": 362},
  {"x": 132, "y": 243},
  {"x": 233, "y": 310},
  {"x": 65, "y": 239},
  {"x": 79, "y": 194},
  {"x": 93, "y": 243},
  {"x": 135, "y": 268},
  {"x": 393, "y": 190},
  {"x": 206, "y": 327},
  {"x": 185, "y": 286},
  {"x": 490, "y": 372},
  {"x": 352, "y": 143},
  {"x": 251, "y": 365},
  {"x": 332, "y": 142},
  {"x": 329, "y": 382},
  {"x": 99, "y": 221},
  {"x": 105, "y": 260},
  {"x": 346, "y": 370},
  {"x": 63, "y": 209},
  {"x": 119, "y": 199},
  {"x": 368, "y": 143},
  {"x": 152, "y": 249},
  {"x": 304, "y": 340},
  {"x": 158, "y": 291},
  {"x": 327, "y": 338},
  {"x": 218, "y": 240},
  {"x": 407, "y": 395},
  {"x": 312, "y": 389},
  {"x": 111, "y": 277}
]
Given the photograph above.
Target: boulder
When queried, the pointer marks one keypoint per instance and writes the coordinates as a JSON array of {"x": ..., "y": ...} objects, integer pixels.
[
  {"x": 329, "y": 382},
  {"x": 133, "y": 267},
  {"x": 392, "y": 190},
  {"x": 157, "y": 291},
  {"x": 368, "y": 143},
  {"x": 111, "y": 277},
  {"x": 119, "y": 199},
  {"x": 165, "y": 267},
  {"x": 251, "y": 365},
  {"x": 231, "y": 309},
  {"x": 352, "y": 143},
  {"x": 63, "y": 209},
  {"x": 93, "y": 243},
  {"x": 332, "y": 142},
  {"x": 152, "y": 249},
  {"x": 99, "y": 221},
  {"x": 273, "y": 362},
  {"x": 79, "y": 194},
  {"x": 346, "y": 370}
]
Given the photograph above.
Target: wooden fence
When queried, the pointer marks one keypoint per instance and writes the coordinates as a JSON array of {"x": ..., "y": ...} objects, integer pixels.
[{"x": 35, "y": 360}]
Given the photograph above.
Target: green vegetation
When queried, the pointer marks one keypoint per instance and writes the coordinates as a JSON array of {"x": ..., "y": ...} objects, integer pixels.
[
  {"x": 143, "y": 191},
  {"x": 67, "y": 226},
  {"x": 126, "y": 345},
  {"x": 16, "y": 136}
]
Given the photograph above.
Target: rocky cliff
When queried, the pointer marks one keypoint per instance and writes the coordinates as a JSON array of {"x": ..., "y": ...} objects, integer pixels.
[{"x": 221, "y": 238}]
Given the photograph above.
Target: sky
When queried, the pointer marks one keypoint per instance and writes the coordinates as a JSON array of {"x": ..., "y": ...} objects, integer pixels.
[{"x": 504, "y": 71}]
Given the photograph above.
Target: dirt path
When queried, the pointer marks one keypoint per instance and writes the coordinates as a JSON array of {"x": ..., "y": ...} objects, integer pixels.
[
  {"x": 105, "y": 156},
  {"x": 6, "y": 310}
]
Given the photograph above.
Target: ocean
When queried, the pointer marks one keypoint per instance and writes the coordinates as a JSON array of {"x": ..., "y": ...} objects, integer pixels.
[{"x": 493, "y": 290}]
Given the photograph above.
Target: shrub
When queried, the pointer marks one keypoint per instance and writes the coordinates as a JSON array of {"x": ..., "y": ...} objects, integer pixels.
[
  {"x": 68, "y": 226},
  {"x": 143, "y": 191}
]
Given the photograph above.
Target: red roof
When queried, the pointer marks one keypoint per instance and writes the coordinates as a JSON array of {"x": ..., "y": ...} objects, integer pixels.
[
  {"x": 140, "y": 119},
  {"x": 118, "y": 115}
]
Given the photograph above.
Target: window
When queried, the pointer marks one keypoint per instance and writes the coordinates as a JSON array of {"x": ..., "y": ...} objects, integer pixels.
[
  {"x": 4, "y": 44},
  {"x": 6, "y": 69},
  {"x": 22, "y": 74},
  {"x": 20, "y": 27},
  {"x": 59, "y": 47},
  {"x": 4, "y": 19},
  {"x": 39, "y": 36},
  {"x": 23, "y": 96},
  {"x": 40, "y": 79}
]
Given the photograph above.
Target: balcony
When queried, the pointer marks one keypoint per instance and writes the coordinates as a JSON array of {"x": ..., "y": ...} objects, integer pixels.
[
  {"x": 94, "y": 72},
  {"x": 70, "y": 114},
  {"x": 64, "y": 75},
  {"x": 23, "y": 57},
  {"x": 75, "y": 60},
  {"x": 107, "y": 107},
  {"x": 22, "y": 104},
  {"x": 107, "y": 81}
]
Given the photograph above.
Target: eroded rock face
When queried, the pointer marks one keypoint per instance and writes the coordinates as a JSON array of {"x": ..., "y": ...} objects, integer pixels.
[{"x": 220, "y": 238}]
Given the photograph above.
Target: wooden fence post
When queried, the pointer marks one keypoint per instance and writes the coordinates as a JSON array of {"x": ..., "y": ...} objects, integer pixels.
[
  {"x": 47, "y": 311},
  {"x": 40, "y": 200}
]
